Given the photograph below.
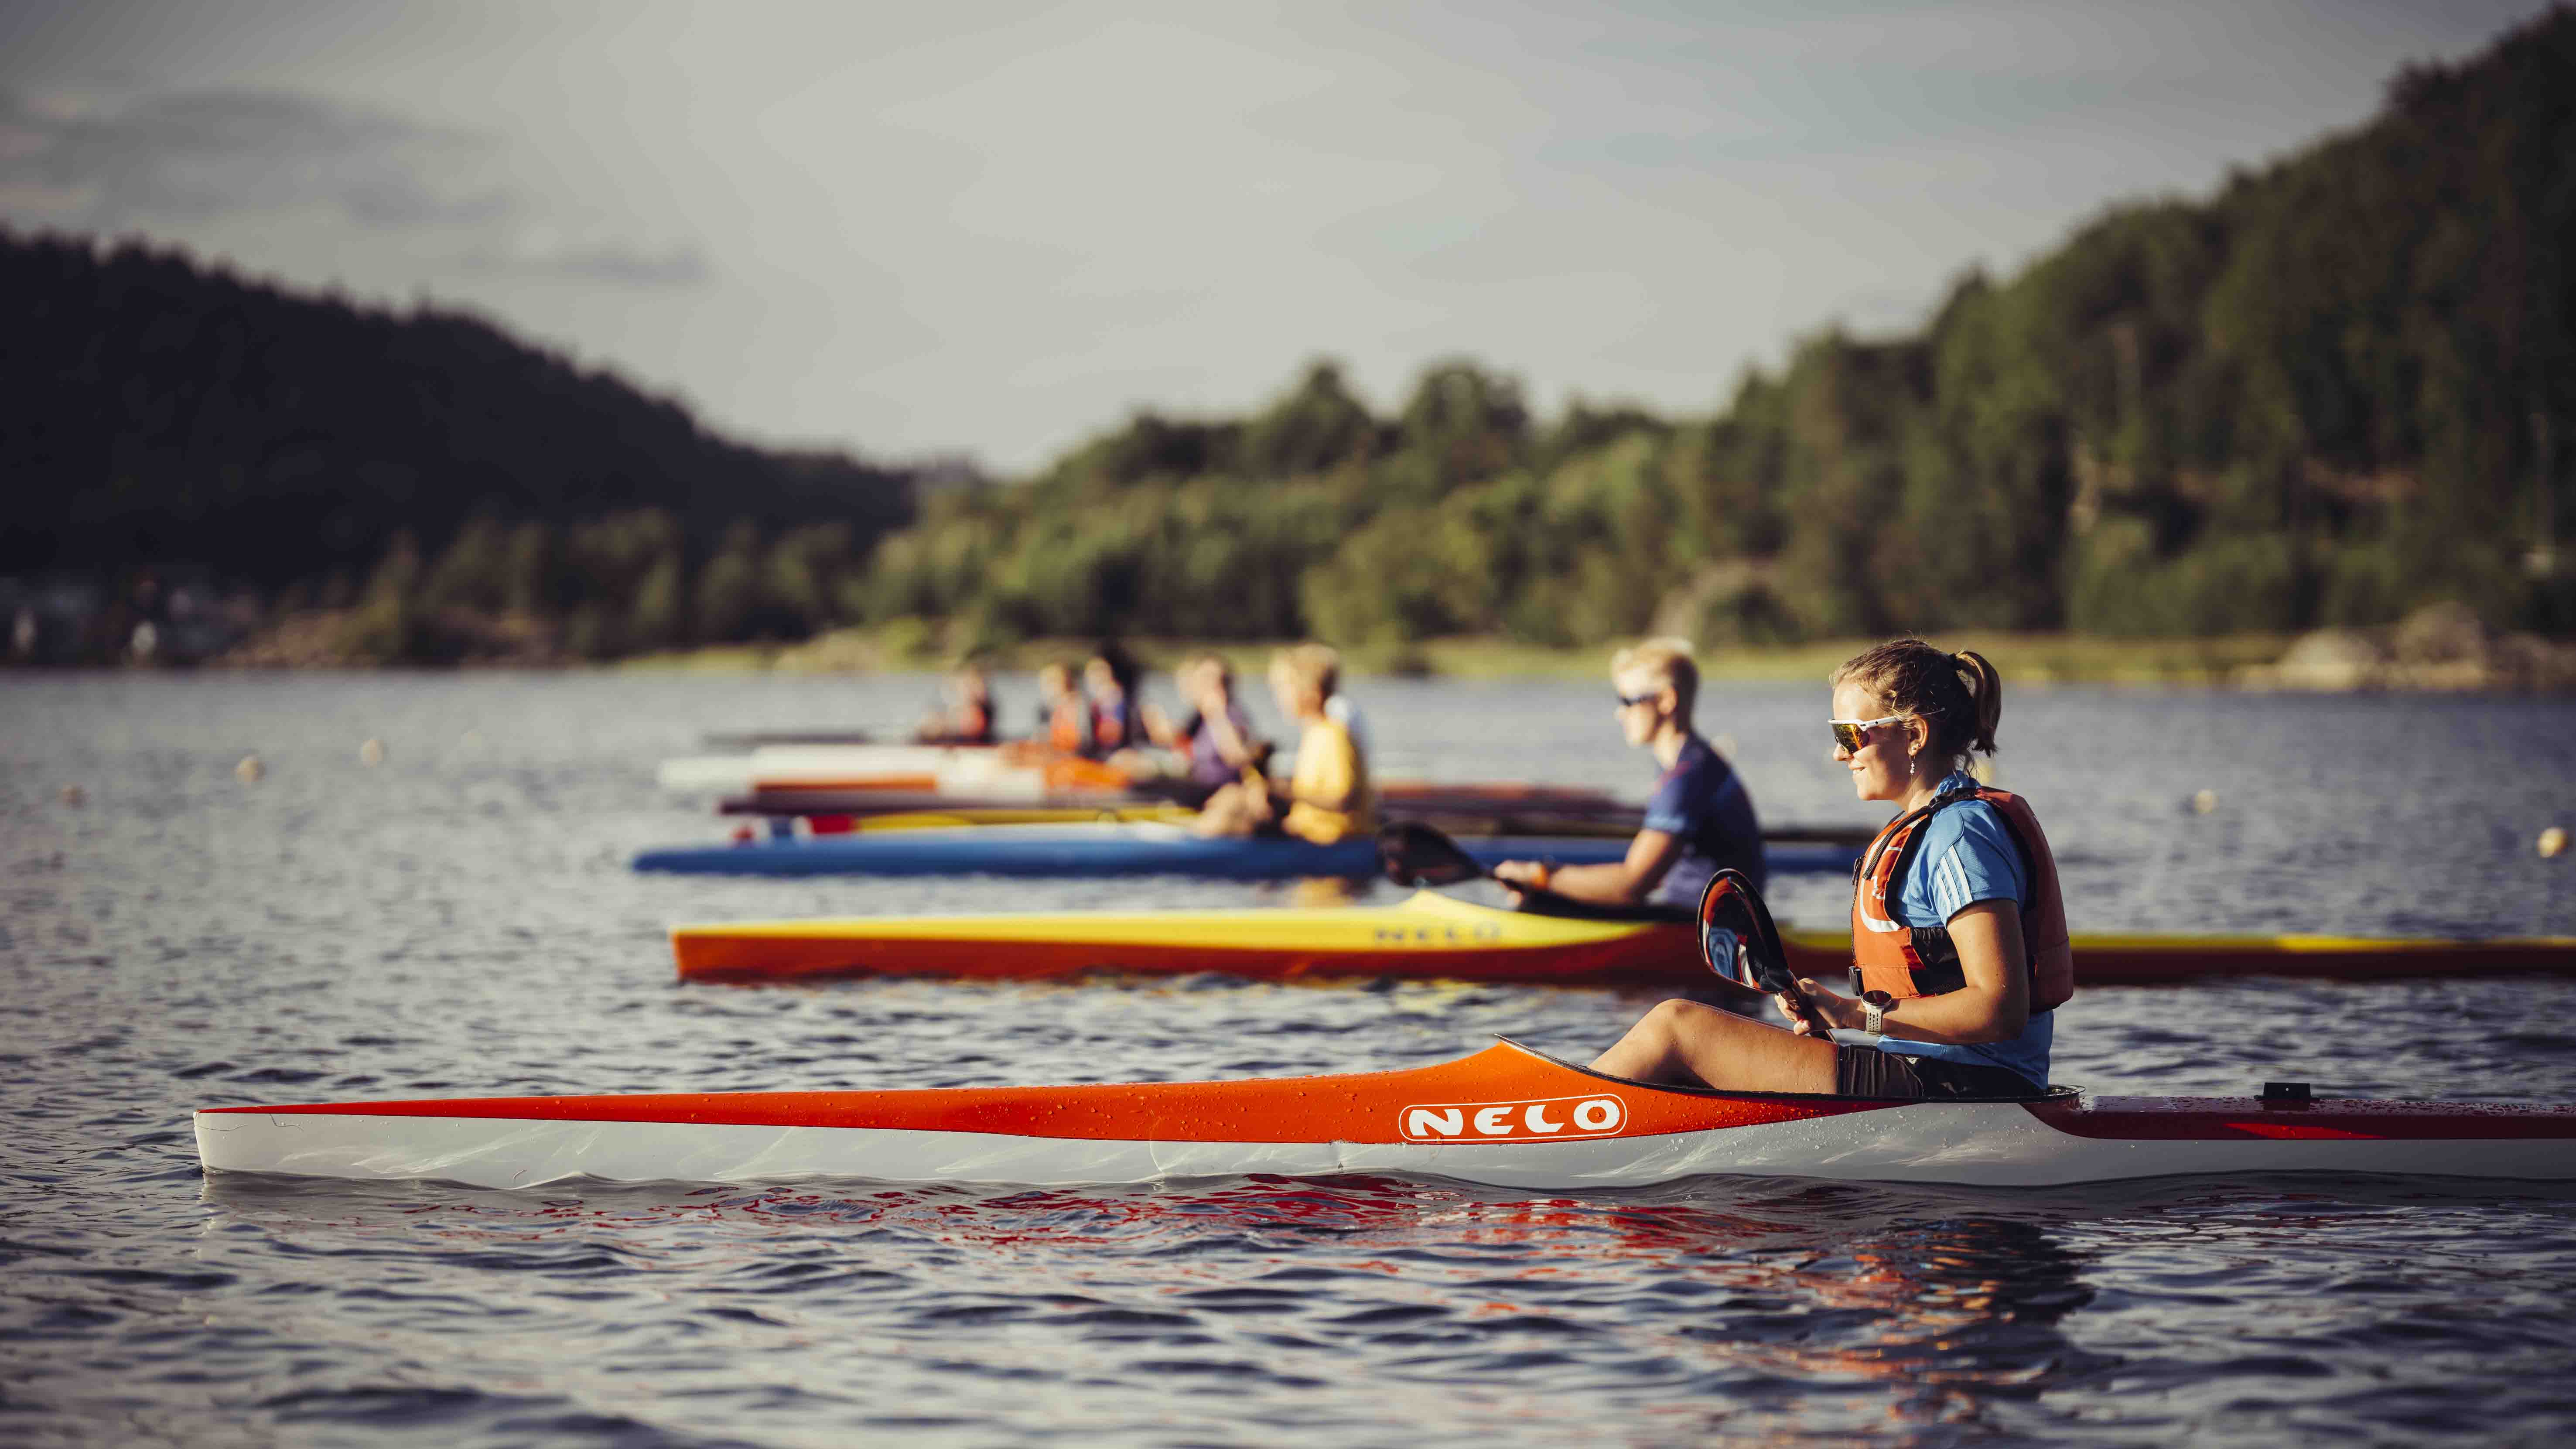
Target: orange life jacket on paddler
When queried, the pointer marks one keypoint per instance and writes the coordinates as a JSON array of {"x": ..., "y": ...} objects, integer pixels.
[
  {"x": 1069, "y": 726},
  {"x": 1906, "y": 960}
]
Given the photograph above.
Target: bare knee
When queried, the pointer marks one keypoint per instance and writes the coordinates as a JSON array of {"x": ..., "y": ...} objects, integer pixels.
[
  {"x": 1226, "y": 813},
  {"x": 1664, "y": 1023},
  {"x": 1668, "y": 1015}
]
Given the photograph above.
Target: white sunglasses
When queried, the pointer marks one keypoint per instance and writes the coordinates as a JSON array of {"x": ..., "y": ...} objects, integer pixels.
[{"x": 1852, "y": 734}]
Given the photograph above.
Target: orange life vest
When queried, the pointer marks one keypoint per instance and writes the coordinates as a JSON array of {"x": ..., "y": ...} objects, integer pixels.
[
  {"x": 1069, "y": 726},
  {"x": 1906, "y": 960}
]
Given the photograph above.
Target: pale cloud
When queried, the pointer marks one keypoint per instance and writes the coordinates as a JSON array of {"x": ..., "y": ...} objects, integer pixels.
[
  {"x": 175, "y": 160},
  {"x": 538, "y": 252},
  {"x": 187, "y": 155}
]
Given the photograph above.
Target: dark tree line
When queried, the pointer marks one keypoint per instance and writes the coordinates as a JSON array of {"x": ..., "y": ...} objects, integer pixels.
[
  {"x": 2341, "y": 387},
  {"x": 160, "y": 412}
]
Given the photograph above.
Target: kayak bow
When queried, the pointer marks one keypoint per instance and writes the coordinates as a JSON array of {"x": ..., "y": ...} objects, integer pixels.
[{"x": 1507, "y": 1115}]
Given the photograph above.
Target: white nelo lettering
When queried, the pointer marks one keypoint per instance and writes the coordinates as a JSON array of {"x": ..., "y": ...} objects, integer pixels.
[
  {"x": 1597, "y": 1114},
  {"x": 1542, "y": 1119}
]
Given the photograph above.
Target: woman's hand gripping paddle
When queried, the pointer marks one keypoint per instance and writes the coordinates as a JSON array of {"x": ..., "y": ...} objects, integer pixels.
[{"x": 1739, "y": 943}]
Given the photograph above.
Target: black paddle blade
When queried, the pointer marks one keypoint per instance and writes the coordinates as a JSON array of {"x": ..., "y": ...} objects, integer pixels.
[
  {"x": 1736, "y": 937},
  {"x": 1740, "y": 944},
  {"x": 1413, "y": 854}
]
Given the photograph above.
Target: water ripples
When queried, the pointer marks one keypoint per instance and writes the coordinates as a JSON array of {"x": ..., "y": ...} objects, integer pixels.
[{"x": 458, "y": 921}]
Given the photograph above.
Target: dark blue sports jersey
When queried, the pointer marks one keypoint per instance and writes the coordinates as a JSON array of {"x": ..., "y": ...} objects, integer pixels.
[{"x": 1703, "y": 802}]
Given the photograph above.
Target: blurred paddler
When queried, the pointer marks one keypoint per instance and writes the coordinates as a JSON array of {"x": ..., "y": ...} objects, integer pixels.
[
  {"x": 1215, "y": 741},
  {"x": 1700, "y": 818},
  {"x": 965, "y": 717},
  {"x": 1329, "y": 798}
]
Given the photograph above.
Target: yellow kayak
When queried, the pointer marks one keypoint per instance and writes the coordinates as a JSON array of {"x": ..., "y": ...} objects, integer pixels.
[
  {"x": 1431, "y": 936},
  {"x": 1428, "y": 936}
]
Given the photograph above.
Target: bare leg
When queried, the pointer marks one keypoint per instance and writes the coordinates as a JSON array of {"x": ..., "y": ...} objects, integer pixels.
[
  {"x": 1232, "y": 810},
  {"x": 1683, "y": 1041}
]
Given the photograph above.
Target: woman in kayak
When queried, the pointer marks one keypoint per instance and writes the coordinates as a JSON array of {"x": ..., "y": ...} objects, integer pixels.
[
  {"x": 1329, "y": 798},
  {"x": 1215, "y": 742},
  {"x": 1700, "y": 819},
  {"x": 1959, "y": 933},
  {"x": 1118, "y": 719},
  {"x": 1064, "y": 716},
  {"x": 969, "y": 721}
]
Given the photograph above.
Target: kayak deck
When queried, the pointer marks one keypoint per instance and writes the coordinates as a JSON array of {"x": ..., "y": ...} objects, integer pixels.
[
  {"x": 1128, "y": 849},
  {"x": 1506, "y": 1115},
  {"x": 1429, "y": 936}
]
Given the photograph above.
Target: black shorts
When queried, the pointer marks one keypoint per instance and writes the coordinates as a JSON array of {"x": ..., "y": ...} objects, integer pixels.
[{"x": 1868, "y": 1072}]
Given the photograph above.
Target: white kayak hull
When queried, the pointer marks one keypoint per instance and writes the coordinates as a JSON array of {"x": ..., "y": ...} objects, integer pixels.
[
  {"x": 1985, "y": 1145},
  {"x": 1506, "y": 1116}
]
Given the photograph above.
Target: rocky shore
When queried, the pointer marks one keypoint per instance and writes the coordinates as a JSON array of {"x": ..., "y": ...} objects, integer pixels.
[{"x": 2441, "y": 648}]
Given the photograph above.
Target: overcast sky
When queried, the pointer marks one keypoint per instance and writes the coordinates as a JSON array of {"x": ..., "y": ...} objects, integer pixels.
[{"x": 995, "y": 228}]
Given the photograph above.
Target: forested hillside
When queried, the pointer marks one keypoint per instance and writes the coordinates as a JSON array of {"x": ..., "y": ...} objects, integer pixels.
[
  {"x": 160, "y": 413},
  {"x": 2339, "y": 388},
  {"x": 2342, "y": 386}
]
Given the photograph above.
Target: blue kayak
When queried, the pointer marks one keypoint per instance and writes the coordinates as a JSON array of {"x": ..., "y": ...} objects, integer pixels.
[{"x": 1132, "y": 849}]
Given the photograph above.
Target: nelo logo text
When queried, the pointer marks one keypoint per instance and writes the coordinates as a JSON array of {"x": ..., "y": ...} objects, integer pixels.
[{"x": 1544, "y": 1120}]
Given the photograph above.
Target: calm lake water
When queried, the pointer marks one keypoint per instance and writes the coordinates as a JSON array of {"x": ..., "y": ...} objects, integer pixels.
[{"x": 459, "y": 920}]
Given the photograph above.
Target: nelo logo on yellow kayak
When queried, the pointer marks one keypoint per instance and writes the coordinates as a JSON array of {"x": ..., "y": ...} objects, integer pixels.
[
  {"x": 1542, "y": 1120},
  {"x": 1474, "y": 933}
]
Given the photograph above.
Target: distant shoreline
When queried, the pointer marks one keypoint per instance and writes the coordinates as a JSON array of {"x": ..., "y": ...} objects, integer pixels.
[
  {"x": 2027, "y": 657},
  {"x": 2442, "y": 648}
]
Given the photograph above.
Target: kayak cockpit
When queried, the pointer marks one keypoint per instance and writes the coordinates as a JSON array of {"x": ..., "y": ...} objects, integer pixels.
[{"x": 2064, "y": 1094}]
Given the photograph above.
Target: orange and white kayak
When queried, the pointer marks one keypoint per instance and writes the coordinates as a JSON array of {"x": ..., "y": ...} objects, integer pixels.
[
  {"x": 857, "y": 780},
  {"x": 1430, "y": 936},
  {"x": 1021, "y": 769},
  {"x": 1507, "y": 1115}
]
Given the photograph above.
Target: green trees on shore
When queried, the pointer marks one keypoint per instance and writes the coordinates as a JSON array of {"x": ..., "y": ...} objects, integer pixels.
[
  {"x": 421, "y": 469},
  {"x": 2342, "y": 386}
]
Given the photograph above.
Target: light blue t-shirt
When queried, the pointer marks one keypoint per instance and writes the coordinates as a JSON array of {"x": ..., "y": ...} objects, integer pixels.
[{"x": 1968, "y": 856}]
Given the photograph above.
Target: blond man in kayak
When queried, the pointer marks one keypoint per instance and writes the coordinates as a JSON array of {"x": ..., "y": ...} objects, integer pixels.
[
  {"x": 1959, "y": 931},
  {"x": 1329, "y": 797},
  {"x": 1700, "y": 819}
]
